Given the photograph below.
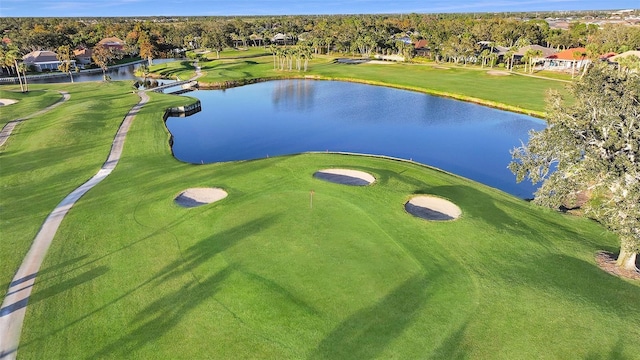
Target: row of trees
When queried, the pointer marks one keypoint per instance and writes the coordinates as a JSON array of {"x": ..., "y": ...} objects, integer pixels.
[
  {"x": 285, "y": 57},
  {"x": 361, "y": 34}
]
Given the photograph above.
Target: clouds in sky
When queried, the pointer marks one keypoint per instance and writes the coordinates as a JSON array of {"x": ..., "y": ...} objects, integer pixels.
[{"x": 37, "y": 8}]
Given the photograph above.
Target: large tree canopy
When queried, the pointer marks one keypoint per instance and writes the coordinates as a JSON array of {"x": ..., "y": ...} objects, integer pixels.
[{"x": 591, "y": 147}]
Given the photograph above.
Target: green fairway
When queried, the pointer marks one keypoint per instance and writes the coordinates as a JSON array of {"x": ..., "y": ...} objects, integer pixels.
[
  {"x": 262, "y": 274},
  {"x": 28, "y": 103},
  {"x": 48, "y": 156}
]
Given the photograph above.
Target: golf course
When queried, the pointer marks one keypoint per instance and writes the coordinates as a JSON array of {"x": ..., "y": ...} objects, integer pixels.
[{"x": 288, "y": 265}]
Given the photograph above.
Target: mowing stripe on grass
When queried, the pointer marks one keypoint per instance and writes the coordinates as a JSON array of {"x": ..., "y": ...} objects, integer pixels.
[{"x": 15, "y": 302}]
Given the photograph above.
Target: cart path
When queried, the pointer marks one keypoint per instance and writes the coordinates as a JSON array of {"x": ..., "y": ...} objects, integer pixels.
[
  {"x": 8, "y": 128},
  {"x": 15, "y": 302}
]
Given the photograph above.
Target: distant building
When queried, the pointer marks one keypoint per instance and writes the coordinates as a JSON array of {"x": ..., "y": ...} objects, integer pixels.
[
  {"x": 112, "y": 43},
  {"x": 282, "y": 39},
  {"x": 43, "y": 60},
  {"x": 570, "y": 59},
  {"x": 83, "y": 56}
]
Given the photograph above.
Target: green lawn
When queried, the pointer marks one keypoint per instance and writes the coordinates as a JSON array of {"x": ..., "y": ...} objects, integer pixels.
[
  {"x": 48, "y": 156},
  {"x": 262, "y": 275},
  {"x": 516, "y": 93},
  {"x": 28, "y": 103}
]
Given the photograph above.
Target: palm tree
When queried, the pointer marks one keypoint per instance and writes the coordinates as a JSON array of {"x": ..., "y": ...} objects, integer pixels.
[
  {"x": 531, "y": 56},
  {"x": 23, "y": 67},
  {"x": 484, "y": 56},
  {"x": 273, "y": 50},
  {"x": 11, "y": 59},
  {"x": 64, "y": 56}
]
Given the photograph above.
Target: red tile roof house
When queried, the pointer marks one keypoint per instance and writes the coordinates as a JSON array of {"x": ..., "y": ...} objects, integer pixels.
[
  {"x": 112, "y": 43},
  {"x": 43, "y": 60},
  {"x": 83, "y": 56},
  {"x": 570, "y": 59}
]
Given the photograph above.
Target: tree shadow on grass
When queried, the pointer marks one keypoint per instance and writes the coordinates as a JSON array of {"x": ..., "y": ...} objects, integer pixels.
[
  {"x": 59, "y": 287},
  {"x": 579, "y": 280},
  {"x": 166, "y": 312},
  {"x": 162, "y": 315},
  {"x": 366, "y": 334}
]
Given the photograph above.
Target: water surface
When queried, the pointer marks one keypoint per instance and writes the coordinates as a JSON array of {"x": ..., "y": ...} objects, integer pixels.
[{"x": 293, "y": 116}]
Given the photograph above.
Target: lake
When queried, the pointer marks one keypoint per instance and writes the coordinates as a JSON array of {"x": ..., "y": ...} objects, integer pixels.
[{"x": 294, "y": 116}]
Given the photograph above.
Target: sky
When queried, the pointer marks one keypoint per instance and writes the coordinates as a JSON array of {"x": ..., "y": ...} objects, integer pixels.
[{"x": 84, "y": 8}]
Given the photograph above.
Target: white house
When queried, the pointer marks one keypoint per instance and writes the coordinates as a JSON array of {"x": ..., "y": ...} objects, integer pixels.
[{"x": 43, "y": 60}]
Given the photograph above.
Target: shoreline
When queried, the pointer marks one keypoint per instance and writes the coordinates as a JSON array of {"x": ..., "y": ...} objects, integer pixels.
[{"x": 488, "y": 103}]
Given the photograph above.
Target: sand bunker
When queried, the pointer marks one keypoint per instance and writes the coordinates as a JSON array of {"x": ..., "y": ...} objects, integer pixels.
[
  {"x": 5, "y": 102},
  {"x": 432, "y": 208},
  {"x": 199, "y": 196},
  {"x": 498, "y": 73},
  {"x": 345, "y": 177},
  {"x": 440, "y": 67}
]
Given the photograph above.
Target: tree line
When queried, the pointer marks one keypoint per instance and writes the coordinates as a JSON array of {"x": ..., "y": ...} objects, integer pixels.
[{"x": 448, "y": 35}]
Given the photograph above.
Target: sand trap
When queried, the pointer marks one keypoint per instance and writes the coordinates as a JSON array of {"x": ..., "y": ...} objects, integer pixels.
[
  {"x": 5, "y": 102},
  {"x": 441, "y": 67},
  {"x": 199, "y": 196},
  {"x": 345, "y": 176},
  {"x": 351, "y": 61},
  {"x": 498, "y": 73},
  {"x": 432, "y": 208},
  {"x": 382, "y": 62}
]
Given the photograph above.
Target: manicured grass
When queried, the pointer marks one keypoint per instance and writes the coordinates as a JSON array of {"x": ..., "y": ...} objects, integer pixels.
[
  {"x": 516, "y": 93},
  {"x": 261, "y": 274},
  {"x": 28, "y": 103},
  {"x": 182, "y": 69},
  {"x": 48, "y": 156}
]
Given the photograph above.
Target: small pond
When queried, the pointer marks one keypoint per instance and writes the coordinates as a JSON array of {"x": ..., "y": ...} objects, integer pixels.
[
  {"x": 293, "y": 116},
  {"x": 120, "y": 73}
]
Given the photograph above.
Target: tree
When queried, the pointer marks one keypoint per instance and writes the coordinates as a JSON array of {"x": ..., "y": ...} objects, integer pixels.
[
  {"x": 22, "y": 67},
  {"x": 530, "y": 57},
  {"x": 594, "y": 145},
  {"x": 64, "y": 56},
  {"x": 102, "y": 56},
  {"x": 9, "y": 60},
  {"x": 147, "y": 49}
]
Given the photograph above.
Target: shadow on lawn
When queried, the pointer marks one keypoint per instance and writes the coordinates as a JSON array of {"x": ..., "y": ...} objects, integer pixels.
[
  {"x": 366, "y": 334},
  {"x": 579, "y": 280},
  {"x": 167, "y": 311}
]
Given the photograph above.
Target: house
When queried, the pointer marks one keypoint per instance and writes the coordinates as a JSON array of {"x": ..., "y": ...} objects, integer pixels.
[
  {"x": 282, "y": 39},
  {"x": 83, "y": 56},
  {"x": 544, "y": 51},
  {"x": 498, "y": 50},
  {"x": 421, "y": 48},
  {"x": 112, "y": 43},
  {"x": 623, "y": 55},
  {"x": 42, "y": 60},
  {"x": 569, "y": 59}
]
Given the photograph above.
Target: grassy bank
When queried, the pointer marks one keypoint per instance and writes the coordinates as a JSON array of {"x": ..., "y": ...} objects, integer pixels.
[
  {"x": 515, "y": 93},
  {"x": 261, "y": 274},
  {"x": 48, "y": 156},
  {"x": 28, "y": 103}
]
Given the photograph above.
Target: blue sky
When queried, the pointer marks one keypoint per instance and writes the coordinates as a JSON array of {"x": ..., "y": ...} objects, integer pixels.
[{"x": 64, "y": 8}]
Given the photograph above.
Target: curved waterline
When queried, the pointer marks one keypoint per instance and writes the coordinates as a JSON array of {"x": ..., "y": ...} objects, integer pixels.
[{"x": 296, "y": 116}]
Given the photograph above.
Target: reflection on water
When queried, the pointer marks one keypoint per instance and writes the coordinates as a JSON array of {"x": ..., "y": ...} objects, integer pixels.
[
  {"x": 298, "y": 95},
  {"x": 293, "y": 116},
  {"x": 121, "y": 73}
]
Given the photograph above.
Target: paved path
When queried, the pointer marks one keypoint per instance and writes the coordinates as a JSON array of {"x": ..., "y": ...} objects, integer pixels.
[
  {"x": 8, "y": 128},
  {"x": 14, "y": 305}
]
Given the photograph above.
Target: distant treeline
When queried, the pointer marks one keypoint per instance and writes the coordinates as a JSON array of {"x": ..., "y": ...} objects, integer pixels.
[{"x": 336, "y": 33}]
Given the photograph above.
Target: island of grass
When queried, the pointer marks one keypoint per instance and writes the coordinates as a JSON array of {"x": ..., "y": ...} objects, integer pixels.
[{"x": 263, "y": 274}]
